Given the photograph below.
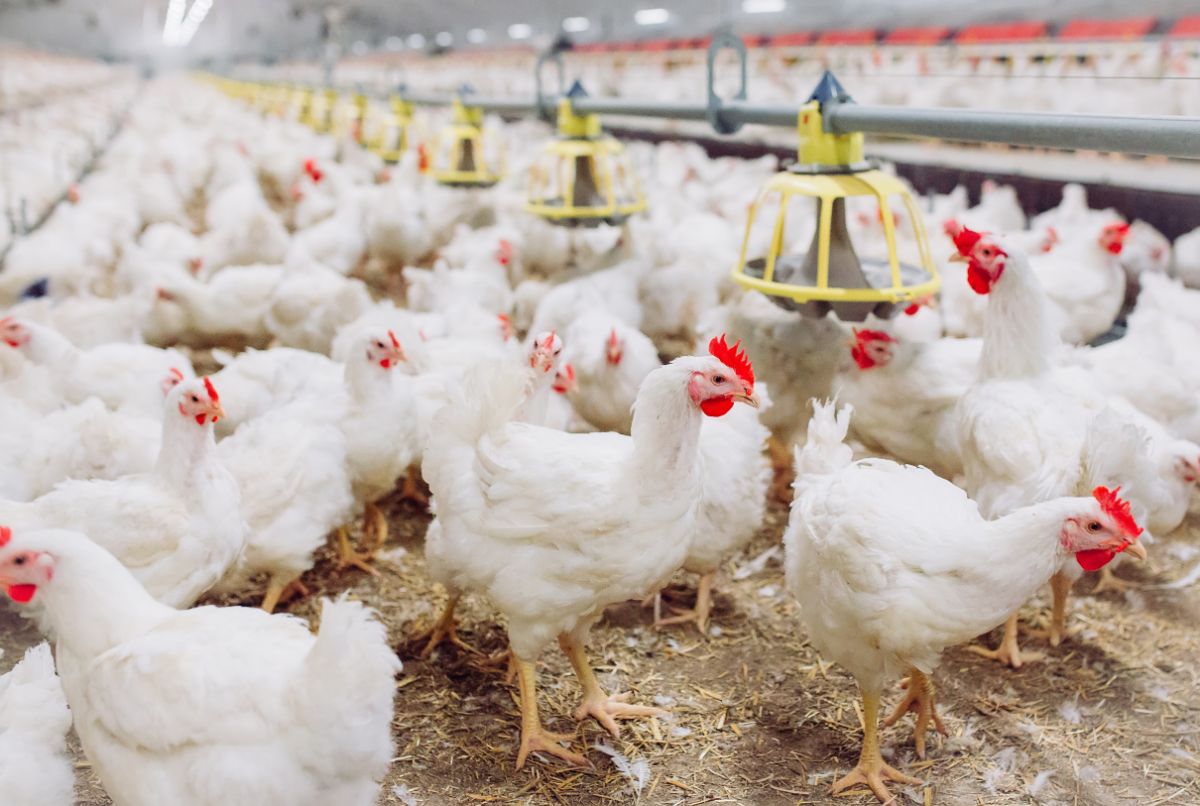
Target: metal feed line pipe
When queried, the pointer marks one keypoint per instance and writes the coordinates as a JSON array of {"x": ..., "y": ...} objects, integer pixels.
[{"x": 1163, "y": 136}]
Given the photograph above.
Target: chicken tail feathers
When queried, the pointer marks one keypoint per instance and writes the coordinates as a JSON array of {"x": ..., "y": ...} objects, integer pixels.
[
  {"x": 1115, "y": 454},
  {"x": 346, "y": 687},
  {"x": 826, "y": 450}
]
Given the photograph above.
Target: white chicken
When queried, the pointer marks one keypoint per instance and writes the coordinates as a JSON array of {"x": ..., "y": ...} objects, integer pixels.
[
  {"x": 34, "y": 719},
  {"x": 211, "y": 706},
  {"x": 125, "y": 377},
  {"x": 543, "y": 522},
  {"x": 904, "y": 396},
  {"x": 1084, "y": 280},
  {"x": 885, "y": 585},
  {"x": 179, "y": 527},
  {"x": 610, "y": 359}
]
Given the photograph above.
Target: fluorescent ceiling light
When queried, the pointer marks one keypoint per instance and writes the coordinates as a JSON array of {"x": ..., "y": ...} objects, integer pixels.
[
  {"x": 445, "y": 38},
  {"x": 519, "y": 30},
  {"x": 476, "y": 35},
  {"x": 416, "y": 41},
  {"x": 393, "y": 43},
  {"x": 575, "y": 25},
  {"x": 652, "y": 16},
  {"x": 763, "y": 6},
  {"x": 174, "y": 20}
]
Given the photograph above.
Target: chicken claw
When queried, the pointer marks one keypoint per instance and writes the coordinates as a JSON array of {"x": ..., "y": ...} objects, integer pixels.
[
  {"x": 921, "y": 700},
  {"x": 699, "y": 613},
  {"x": 535, "y": 738},
  {"x": 348, "y": 556},
  {"x": 606, "y": 709},
  {"x": 873, "y": 776},
  {"x": 446, "y": 628},
  {"x": 1109, "y": 581},
  {"x": 409, "y": 491},
  {"x": 1009, "y": 652}
]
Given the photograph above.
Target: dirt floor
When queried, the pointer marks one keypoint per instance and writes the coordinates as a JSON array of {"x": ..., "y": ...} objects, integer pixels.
[{"x": 1111, "y": 717}]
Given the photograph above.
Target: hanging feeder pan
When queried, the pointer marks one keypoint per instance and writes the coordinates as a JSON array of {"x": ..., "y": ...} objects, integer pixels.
[
  {"x": 461, "y": 152},
  {"x": 830, "y": 275},
  {"x": 390, "y": 140},
  {"x": 583, "y": 178}
]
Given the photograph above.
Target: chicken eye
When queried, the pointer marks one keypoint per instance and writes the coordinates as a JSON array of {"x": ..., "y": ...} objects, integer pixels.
[
  {"x": 718, "y": 379},
  {"x": 195, "y": 399},
  {"x": 19, "y": 561},
  {"x": 1094, "y": 526}
]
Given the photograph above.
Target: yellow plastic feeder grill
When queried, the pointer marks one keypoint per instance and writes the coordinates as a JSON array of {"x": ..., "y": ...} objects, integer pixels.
[
  {"x": 830, "y": 275},
  {"x": 464, "y": 154},
  {"x": 320, "y": 111},
  {"x": 389, "y": 137},
  {"x": 584, "y": 177}
]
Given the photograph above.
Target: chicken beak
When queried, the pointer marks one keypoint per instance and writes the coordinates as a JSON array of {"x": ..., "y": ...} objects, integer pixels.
[
  {"x": 1136, "y": 549},
  {"x": 750, "y": 399},
  {"x": 216, "y": 411},
  {"x": 958, "y": 258}
]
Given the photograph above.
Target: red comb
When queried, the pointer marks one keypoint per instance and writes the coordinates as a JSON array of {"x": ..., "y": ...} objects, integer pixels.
[
  {"x": 395, "y": 341},
  {"x": 212, "y": 391},
  {"x": 177, "y": 373},
  {"x": 504, "y": 252},
  {"x": 1118, "y": 509},
  {"x": 732, "y": 357},
  {"x": 5, "y": 535},
  {"x": 865, "y": 335},
  {"x": 965, "y": 240},
  {"x": 613, "y": 338}
]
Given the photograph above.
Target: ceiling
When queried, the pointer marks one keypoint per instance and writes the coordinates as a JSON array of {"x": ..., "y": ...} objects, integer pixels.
[{"x": 280, "y": 29}]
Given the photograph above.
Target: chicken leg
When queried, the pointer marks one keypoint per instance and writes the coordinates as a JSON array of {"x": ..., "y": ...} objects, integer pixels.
[
  {"x": 921, "y": 700},
  {"x": 1009, "y": 652},
  {"x": 604, "y": 708},
  {"x": 278, "y": 590},
  {"x": 1060, "y": 589},
  {"x": 700, "y": 611},
  {"x": 446, "y": 628},
  {"x": 348, "y": 556},
  {"x": 782, "y": 460},
  {"x": 535, "y": 738},
  {"x": 871, "y": 769},
  {"x": 409, "y": 490},
  {"x": 379, "y": 527}
]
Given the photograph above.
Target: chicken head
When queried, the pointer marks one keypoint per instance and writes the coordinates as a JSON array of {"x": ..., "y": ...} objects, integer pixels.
[
  {"x": 1112, "y": 236},
  {"x": 984, "y": 258},
  {"x": 547, "y": 347},
  {"x": 728, "y": 379},
  {"x": 197, "y": 398},
  {"x": 872, "y": 348},
  {"x": 1103, "y": 530},
  {"x": 384, "y": 349},
  {"x": 22, "y": 569},
  {"x": 13, "y": 333}
]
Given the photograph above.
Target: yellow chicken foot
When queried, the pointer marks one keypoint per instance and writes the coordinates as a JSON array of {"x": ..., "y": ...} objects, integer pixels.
[
  {"x": 491, "y": 664},
  {"x": 1009, "y": 652},
  {"x": 279, "y": 590},
  {"x": 604, "y": 708},
  {"x": 1060, "y": 589},
  {"x": 446, "y": 628},
  {"x": 1109, "y": 581},
  {"x": 921, "y": 700},
  {"x": 871, "y": 770},
  {"x": 699, "y": 612},
  {"x": 409, "y": 491},
  {"x": 535, "y": 738},
  {"x": 379, "y": 527},
  {"x": 348, "y": 556}
]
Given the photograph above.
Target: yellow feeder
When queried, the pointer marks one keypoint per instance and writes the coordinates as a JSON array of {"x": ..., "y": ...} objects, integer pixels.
[
  {"x": 583, "y": 178},
  {"x": 464, "y": 154},
  {"x": 830, "y": 275},
  {"x": 320, "y": 111},
  {"x": 390, "y": 138},
  {"x": 299, "y": 104},
  {"x": 348, "y": 115}
]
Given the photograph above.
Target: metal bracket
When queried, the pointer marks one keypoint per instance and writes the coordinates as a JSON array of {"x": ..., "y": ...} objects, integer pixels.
[
  {"x": 722, "y": 39},
  {"x": 554, "y": 55}
]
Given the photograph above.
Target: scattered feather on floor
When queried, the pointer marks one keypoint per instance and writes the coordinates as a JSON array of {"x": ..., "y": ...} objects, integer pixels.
[{"x": 636, "y": 771}]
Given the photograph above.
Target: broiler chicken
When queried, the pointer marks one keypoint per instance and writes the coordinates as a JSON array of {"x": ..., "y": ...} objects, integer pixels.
[
  {"x": 904, "y": 396},
  {"x": 544, "y": 522},
  {"x": 210, "y": 706},
  {"x": 126, "y": 377},
  {"x": 179, "y": 527},
  {"x": 892, "y": 564},
  {"x": 35, "y": 769},
  {"x": 610, "y": 360}
]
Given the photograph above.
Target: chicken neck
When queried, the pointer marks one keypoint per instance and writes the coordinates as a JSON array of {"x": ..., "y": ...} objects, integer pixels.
[
  {"x": 186, "y": 455},
  {"x": 666, "y": 436},
  {"x": 1019, "y": 338}
]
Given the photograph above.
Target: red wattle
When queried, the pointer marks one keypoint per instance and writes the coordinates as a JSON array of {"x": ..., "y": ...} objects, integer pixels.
[
  {"x": 1094, "y": 559},
  {"x": 1115, "y": 247},
  {"x": 861, "y": 358},
  {"x": 978, "y": 279},
  {"x": 21, "y": 594},
  {"x": 716, "y": 406},
  {"x": 200, "y": 418}
]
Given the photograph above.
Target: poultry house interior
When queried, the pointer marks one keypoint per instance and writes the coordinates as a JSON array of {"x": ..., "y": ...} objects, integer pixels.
[{"x": 648, "y": 402}]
